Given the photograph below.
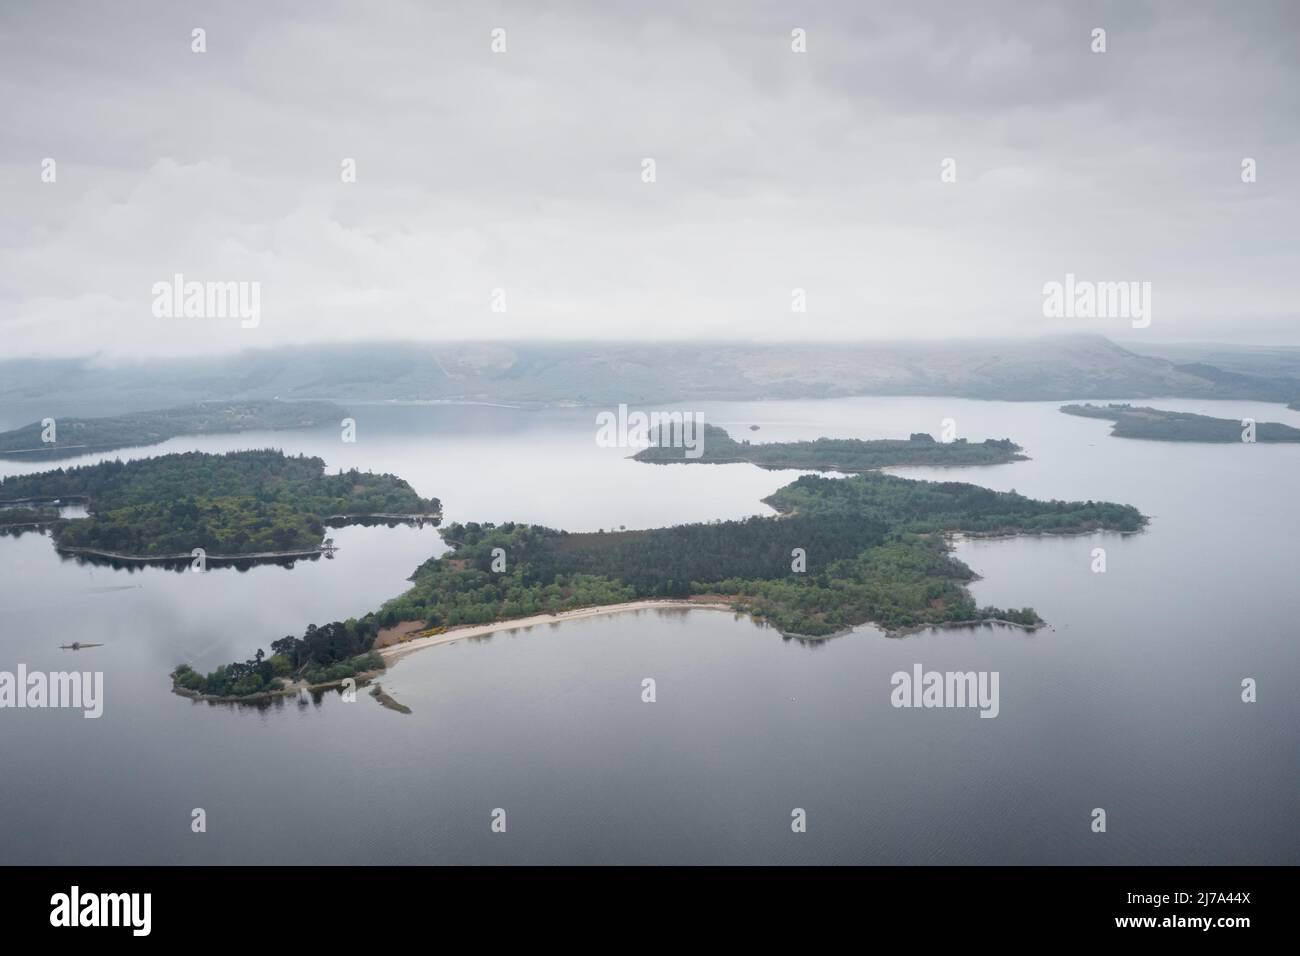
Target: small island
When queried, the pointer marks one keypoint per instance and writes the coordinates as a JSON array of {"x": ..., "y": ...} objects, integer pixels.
[
  {"x": 840, "y": 552},
  {"x": 1157, "y": 424},
  {"x": 849, "y": 455},
  {"x": 82, "y": 436},
  {"x": 238, "y": 506}
]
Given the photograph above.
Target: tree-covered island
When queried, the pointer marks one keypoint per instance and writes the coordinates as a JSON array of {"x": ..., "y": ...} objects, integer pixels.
[
  {"x": 237, "y": 505},
  {"x": 1157, "y": 424},
  {"x": 69, "y": 437},
  {"x": 849, "y": 455},
  {"x": 840, "y": 552}
]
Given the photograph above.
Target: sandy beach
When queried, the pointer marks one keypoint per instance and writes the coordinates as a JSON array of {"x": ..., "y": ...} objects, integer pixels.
[{"x": 397, "y": 651}]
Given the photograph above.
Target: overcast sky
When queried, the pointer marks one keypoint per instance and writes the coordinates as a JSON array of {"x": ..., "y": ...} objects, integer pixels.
[{"x": 523, "y": 170}]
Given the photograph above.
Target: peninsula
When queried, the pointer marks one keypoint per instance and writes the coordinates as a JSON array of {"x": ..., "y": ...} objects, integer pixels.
[
  {"x": 840, "y": 552},
  {"x": 70, "y": 437},
  {"x": 1157, "y": 424}
]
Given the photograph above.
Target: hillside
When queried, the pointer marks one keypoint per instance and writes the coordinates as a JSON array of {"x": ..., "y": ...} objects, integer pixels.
[
  {"x": 1048, "y": 368},
  {"x": 80, "y": 436}
]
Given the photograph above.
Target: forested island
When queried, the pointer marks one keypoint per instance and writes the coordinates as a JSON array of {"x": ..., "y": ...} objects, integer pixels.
[
  {"x": 243, "y": 504},
  {"x": 81, "y": 436},
  {"x": 849, "y": 455},
  {"x": 1157, "y": 424},
  {"x": 840, "y": 552}
]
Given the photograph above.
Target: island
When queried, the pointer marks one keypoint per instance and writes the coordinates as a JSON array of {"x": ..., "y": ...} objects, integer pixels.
[
  {"x": 838, "y": 553},
  {"x": 82, "y": 436},
  {"x": 849, "y": 455},
  {"x": 1157, "y": 424},
  {"x": 238, "y": 506}
]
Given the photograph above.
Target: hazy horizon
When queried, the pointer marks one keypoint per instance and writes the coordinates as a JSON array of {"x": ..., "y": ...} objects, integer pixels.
[{"x": 107, "y": 359}]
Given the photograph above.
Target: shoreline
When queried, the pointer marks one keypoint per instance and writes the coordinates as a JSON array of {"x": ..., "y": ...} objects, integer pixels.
[
  {"x": 411, "y": 636},
  {"x": 958, "y": 536},
  {"x": 837, "y": 469},
  {"x": 385, "y": 516},
  {"x": 291, "y": 688},
  {"x": 333, "y": 521},
  {"x": 395, "y": 652}
]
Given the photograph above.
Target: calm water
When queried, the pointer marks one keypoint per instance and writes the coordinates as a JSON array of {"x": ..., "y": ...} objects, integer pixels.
[{"x": 1129, "y": 702}]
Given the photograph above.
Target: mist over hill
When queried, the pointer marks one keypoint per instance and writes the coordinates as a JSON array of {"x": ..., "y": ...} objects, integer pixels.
[{"x": 1048, "y": 368}]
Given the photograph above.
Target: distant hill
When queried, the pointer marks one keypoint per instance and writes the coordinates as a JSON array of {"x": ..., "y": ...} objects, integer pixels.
[
  {"x": 80, "y": 436},
  {"x": 1277, "y": 362},
  {"x": 1048, "y": 368}
]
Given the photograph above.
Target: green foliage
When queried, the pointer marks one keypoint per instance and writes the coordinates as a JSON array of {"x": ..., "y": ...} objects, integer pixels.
[
  {"x": 260, "y": 674},
  {"x": 462, "y": 588},
  {"x": 949, "y": 506},
  {"x": 832, "y": 454},
  {"x": 238, "y": 503},
  {"x": 874, "y": 546},
  {"x": 348, "y": 668}
]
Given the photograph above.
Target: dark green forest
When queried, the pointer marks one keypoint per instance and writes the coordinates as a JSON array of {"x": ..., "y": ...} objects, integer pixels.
[
  {"x": 831, "y": 454},
  {"x": 949, "y": 506},
  {"x": 874, "y": 547},
  {"x": 237, "y": 503}
]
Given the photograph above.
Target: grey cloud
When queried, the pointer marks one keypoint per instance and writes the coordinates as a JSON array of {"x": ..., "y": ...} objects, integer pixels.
[{"x": 521, "y": 171}]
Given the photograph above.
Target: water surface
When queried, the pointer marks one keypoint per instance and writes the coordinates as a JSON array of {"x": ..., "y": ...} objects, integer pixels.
[{"x": 1130, "y": 701}]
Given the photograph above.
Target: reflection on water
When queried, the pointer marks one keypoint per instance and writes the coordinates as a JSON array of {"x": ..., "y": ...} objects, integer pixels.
[{"x": 1129, "y": 700}]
